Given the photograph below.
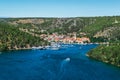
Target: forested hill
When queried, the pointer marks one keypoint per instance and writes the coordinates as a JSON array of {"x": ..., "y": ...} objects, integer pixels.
[
  {"x": 107, "y": 53},
  {"x": 11, "y": 38},
  {"x": 103, "y": 28},
  {"x": 18, "y": 32}
]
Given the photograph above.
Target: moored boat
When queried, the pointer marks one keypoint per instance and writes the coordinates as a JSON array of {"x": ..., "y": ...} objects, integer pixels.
[{"x": 55, "y": 46}]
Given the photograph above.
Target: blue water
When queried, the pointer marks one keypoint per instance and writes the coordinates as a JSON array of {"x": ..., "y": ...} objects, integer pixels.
[{"x": 52, "y": 65}]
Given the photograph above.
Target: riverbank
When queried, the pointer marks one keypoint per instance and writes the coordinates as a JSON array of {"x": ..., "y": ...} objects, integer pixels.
[
  {"x": 28, "y": 48},
  {"x": 106, "y": 53}
]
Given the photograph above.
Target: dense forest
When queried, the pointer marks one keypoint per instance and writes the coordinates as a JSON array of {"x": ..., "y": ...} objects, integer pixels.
[
  {"x": 109, "y": 53},
  {"x": 11, "y": 38}
]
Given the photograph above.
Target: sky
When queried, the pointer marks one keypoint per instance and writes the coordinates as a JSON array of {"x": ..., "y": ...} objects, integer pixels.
[{"x": 59, "y": 8}]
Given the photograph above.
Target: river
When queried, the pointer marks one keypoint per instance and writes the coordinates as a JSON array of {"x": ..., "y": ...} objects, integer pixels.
[{"x": 68, "y": 63}]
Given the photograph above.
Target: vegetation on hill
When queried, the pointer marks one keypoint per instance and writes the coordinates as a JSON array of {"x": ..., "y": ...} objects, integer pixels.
[
  {"x": 11, "y": 38},
  {"x": 107, "y": 53},
  {"x": 105, "y": 29},
  {"x": 91, "y": 26}
]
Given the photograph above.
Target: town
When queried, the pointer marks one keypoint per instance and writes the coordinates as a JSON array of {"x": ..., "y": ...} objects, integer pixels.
[{"x": 69, "y": 39}]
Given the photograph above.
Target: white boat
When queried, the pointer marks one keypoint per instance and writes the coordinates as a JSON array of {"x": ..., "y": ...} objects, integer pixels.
[
  {"x": 34, "y": 48},
  {"x": 67, "y": 59},
  {"x": 47, "y": 47},
  {"x": 55, "y": 46},
  {"x": 40, "y": 47}
]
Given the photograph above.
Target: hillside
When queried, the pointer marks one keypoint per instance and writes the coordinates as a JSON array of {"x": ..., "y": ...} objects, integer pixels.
[
  {"x": 92, "y": 27},
  {"x": 11, "y": 38},
  {"x": 25, "y": 32},
  {"x": 107, "y": 53}
]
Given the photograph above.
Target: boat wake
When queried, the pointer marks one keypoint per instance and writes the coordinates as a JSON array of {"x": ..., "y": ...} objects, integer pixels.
[{"x": 63, "y": 68}]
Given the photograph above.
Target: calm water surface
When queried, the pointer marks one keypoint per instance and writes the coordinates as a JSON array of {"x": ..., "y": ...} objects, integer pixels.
[{"x": 52, "y": 65}]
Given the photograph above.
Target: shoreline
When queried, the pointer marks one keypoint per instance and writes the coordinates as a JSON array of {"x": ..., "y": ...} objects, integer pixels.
[
  {"x": 30, "y": 48},
  {"x": 105, "y": 62}
]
